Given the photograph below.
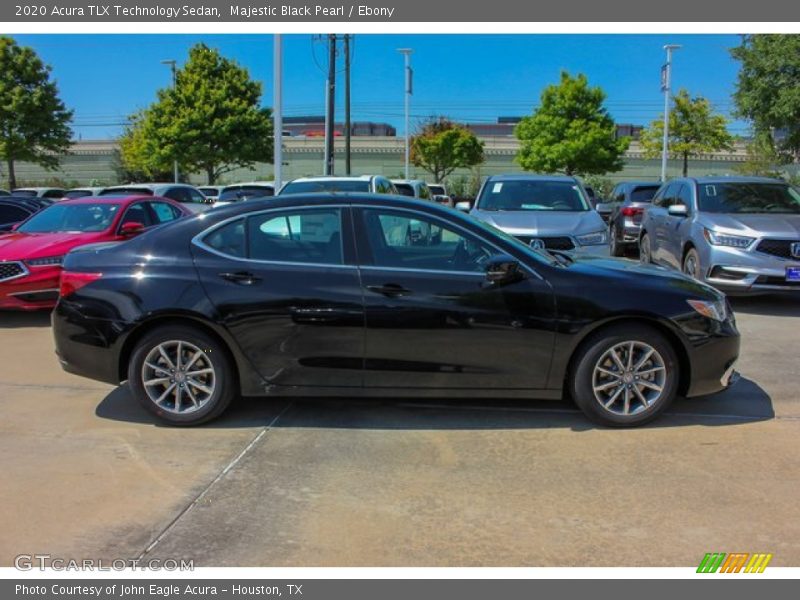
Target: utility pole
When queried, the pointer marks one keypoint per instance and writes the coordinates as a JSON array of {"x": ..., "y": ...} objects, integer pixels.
[
  {"x": 277, "y": 84},
  {"x": 347, "y": 124},
  {"x": 666, "y": 87},
  {"x": 173, "y": 67},
  {"x": 406, "y": 52},
  {"x": 331, "y": 96}
]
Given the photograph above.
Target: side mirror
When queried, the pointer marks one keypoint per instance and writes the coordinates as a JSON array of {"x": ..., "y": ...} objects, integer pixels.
[
  {"x": 463, "y": 206},
  {"x": 677, "y": 210},
  {"x": 503, "y": 269},
  {"x": 131, "y": 228}
]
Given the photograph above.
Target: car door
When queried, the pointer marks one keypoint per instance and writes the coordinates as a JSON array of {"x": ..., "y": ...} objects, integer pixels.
[
  {"x": 656, "y": 220},
  {"x": 285, "y": 284},
  {"x": 672, "y": 253},
  {"x": 431, "y": 320}
]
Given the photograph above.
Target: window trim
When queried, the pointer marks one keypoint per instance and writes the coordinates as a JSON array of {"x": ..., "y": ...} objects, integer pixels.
[{"x": 197, "y": 240}]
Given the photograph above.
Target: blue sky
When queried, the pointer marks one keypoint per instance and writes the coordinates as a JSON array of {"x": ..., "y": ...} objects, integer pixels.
[{"x": 467, "y": 77}]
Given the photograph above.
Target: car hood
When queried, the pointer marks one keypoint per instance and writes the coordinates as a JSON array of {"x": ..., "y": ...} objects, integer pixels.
[
  {"x": 754, "y": 225},
  {"x": 542, "y": 223},
  {"x": 24, "y": 246}
]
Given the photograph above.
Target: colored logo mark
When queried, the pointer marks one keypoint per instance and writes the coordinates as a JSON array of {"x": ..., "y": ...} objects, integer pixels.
[{"x": 737, "y": 562}]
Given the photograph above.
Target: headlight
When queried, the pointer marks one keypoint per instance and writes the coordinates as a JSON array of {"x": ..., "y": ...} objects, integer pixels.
[
  {"x": 593, "y": 239},
  {"x": 712, "y": 310},
  {"x": 48, "y": 261},
  {"x": 724, "y": 239}
]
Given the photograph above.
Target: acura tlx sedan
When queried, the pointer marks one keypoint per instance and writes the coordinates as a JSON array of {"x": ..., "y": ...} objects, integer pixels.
[{"x": 375, "y": 295}]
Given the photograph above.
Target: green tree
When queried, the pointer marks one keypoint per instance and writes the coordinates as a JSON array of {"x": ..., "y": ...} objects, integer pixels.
[
  {"x": 768, "y": 89},
  {"x": 763, "y": 159},
  {"x": 571, "y": 132},
  {"x": 443, "y": 146},
  {"x": 694, "y": 129},
  {"x": 34, "y": 123},
  {"x": 212, "y": 121}
]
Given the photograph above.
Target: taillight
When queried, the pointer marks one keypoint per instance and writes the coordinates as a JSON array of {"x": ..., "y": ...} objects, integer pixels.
[
  {"x": 630, "y": 211},
  {"x": 72, "y": 281}
]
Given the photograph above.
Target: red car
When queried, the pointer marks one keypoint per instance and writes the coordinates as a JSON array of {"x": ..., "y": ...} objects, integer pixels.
[{"x": 31, "y": 255}]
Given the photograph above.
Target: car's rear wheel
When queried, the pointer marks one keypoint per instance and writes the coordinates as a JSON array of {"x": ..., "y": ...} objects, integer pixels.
[
  {"x": 625, "y": 375},
  {"x": 691, "y": 263},
  {"x": 645, "y": 256},
  {"x": 182, "y": 375}
]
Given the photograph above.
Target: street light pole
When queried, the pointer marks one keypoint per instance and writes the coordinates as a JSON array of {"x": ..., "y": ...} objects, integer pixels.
[
  {"x": 277, "y": 101},
  {"x": 173, "y": 67},
  {"x": 330, "y": 105},
  {"x": 666, "y": 87},
  {"x": 406, "y": 52}
]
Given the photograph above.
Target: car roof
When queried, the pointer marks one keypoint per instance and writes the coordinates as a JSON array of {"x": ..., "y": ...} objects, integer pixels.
[
  {"x": 111, "y": 199},
  {"x": 640, "y": 182},
  {"x": 733, "y": 179},
  {"x": 149, "y": 186},
  {"x": 335, "y": 178},
  {"x": 530, "y": 177}
]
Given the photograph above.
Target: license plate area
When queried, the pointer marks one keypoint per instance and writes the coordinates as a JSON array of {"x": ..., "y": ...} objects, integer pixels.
[{"x": 793, "y": 274}]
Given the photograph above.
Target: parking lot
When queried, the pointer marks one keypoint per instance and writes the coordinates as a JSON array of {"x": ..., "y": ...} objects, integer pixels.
[{"x": 87, "y": 473}]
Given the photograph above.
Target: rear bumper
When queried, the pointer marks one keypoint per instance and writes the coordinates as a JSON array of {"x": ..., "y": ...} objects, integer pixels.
[{"x": 83, "y": 345}]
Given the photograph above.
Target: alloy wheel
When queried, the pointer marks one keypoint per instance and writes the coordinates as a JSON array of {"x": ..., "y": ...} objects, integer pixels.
[
  {"x": 690, "y": 266},
  {"x": 629, "y": 378},
  {"x": 178, "y": 377}
]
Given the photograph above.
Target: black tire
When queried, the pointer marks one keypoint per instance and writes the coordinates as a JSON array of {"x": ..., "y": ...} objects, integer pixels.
[
  {"x": 645, "y": 250},
  {"x": 590, "y": 353},
  {"x": 214, "y": 355},
  {"x": 616, "y": 248},
  {"x": 691, "y": 264}
]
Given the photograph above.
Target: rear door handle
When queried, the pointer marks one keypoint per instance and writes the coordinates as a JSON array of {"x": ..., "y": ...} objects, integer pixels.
[
  {"x": 240, "y": 277},
  {"x": 392, "y": 290}
]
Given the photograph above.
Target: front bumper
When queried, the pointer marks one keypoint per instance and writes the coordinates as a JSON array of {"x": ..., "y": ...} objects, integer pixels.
[
  {"x": 744, "y": 272},
  {"x": 36, "y": 290},
  {"x": 713, "y": 360}
]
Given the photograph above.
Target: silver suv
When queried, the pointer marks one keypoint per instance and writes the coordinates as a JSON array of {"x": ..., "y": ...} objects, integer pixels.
[
  {"x": 739, "y": 234},
  {"x": 543, "y": 211}
]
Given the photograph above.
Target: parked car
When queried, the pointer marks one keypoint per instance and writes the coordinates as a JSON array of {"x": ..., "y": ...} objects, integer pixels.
[
  {"x": 374, "y": 184},
  {"x": 245, "y": 191},
  {"x": 413, "y": 188},
  {"x": 5, "y": 193},
  {"x": 83, "y": 192},
  {"x": 211, "y": 192},
  {"x": 543, "y": 211},
  {"x": 36, "y": 202},
  {"x": 627, "y": 204},
  {"x": 41, "y": 192},
  {"x": 739, "y": 234},
  {"x": 12, "y": 213},
  {"x": 31, "y": 256},
  {"x": 309, "y": 294},
  {"x": 187, "y": 195},
  {"x": 440, "y": 194}
]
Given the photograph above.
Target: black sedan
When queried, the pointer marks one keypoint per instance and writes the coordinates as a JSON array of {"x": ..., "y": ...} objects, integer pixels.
[
  {"x": 351, "y": 294},
  {"x": 14, "y": 210}
]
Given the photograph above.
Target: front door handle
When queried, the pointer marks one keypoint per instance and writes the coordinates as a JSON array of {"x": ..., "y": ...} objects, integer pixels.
[
  {"x": 392, "y": 290},
  {"x": 240, "y": 277}
]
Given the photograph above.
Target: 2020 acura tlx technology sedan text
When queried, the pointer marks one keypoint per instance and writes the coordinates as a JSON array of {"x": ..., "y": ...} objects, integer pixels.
[{"x": 363, "y": 294}]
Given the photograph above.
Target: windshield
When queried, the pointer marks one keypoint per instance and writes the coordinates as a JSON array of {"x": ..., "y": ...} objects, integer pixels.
[
  {"x": 644, "y": 193},
  {"x": 243, "y": 192},
  {"x": 327, "y": 185},
  {"x": 80, "y": 218},
  {"x": 532, "y": 195},
  {"x": 777, "y": 198},
  {"x": 121, "y": 191}
]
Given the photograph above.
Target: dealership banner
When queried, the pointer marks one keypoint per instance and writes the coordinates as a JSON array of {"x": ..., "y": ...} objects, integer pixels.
[
  {"x": 400, "y": 589},
  {"x": 49, "y": 11}
]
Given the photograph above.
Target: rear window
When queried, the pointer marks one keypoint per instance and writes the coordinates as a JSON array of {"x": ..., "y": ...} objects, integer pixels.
[
  {"x": 404, "y": 189},
  {"x": 24, "y": 193},
  {"x": 245, "y": 192},
  {"x": 644, "y": 193},
  {"x": 77, "y": 193},
  {"x": 436, "y": 190},
  {"x": 309, "y": 187},
  {"x": 122, "y": 191}
]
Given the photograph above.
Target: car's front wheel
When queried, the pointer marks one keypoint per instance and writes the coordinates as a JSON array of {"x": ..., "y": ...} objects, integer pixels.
[
  {"x": 182, "y": 375},
  {"x": 625, "y": 375},
  {"x": 691, "y": 263}
]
